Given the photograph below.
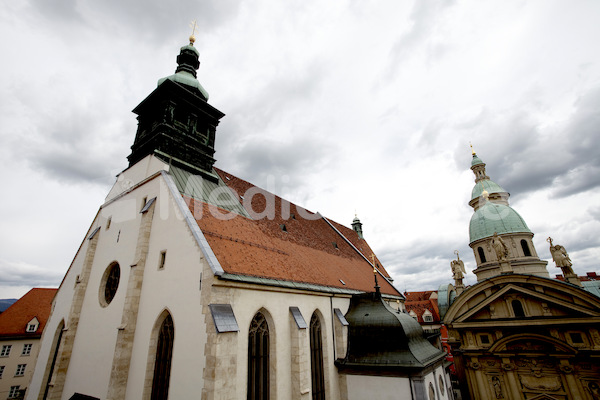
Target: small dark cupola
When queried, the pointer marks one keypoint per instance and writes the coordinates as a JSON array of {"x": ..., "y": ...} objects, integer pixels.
[
  {"x": 357, "y": 226},
  {"x": 382, "y": 340},
  {"x": 175, "y": 122}
]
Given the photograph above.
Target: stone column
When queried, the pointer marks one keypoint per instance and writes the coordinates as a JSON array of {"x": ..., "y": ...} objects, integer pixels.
[
  {"x": 68, "y": 337},
  {"x": 124, "y": 346},
  {"x": 511, "y": 377},
  {"x": 480, "y": 386},
  {"x": 572, "y": 387},
  {"x": 299, "y": 343}
]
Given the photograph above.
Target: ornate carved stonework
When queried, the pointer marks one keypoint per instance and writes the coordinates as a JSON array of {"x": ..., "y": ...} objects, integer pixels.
[
  {"x": 508, "y": 367},
  {"x": 595, "y": 337},
  {"x": 541, "y": 383}
]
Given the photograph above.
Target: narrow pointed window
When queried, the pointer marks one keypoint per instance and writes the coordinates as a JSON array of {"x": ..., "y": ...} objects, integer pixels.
[
  {"x": 316, "y": 359},
  {"x": 52, "y": 361},
  {"x": 258, "y": 358},
  {"x": 162, "y": 365}
]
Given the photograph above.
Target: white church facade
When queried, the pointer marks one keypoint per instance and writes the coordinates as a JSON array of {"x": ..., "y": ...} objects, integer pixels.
[{"x": 193, "y": 283}]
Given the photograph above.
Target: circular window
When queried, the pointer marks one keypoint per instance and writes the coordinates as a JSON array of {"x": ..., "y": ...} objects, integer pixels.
[
  {"x": 109, "y": 284},
  {"x": 431, "y": 391}
]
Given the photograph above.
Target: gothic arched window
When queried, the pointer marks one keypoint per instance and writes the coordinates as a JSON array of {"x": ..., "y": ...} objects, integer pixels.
[
  {"x": 162, "y": 365},
  {"x": 525, "y": 247},
  {"x": 316, "y": 359},
  {"x": 258, "y": 358},
  {"x": 481, "y": 255}
]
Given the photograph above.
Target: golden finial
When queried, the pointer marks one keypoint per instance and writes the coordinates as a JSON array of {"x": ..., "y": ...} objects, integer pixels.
[
  {"x": 193, "y": 25},
  {"x": 472, "y": 151},
  {"x": 373, "y": 258}
]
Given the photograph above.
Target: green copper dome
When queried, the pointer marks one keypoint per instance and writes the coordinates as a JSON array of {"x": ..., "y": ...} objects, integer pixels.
[
  {"x": 185, "y": 78},
  {"x": 187, "y": 64},
  {"x": 495, "y": 218},
  {"x": 488, "y": 185},
  {"x": 476, "y": 160}
]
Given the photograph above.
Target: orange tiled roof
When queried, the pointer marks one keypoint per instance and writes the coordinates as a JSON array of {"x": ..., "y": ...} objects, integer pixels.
[
  {"x": 417, "y": 296},
  {"x": 309, "y": 250},
  {"x": 35, "y": 303},
  {"x": 419, "y": 302}
]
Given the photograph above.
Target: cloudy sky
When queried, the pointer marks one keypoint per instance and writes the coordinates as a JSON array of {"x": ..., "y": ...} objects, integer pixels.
[{"x": 339, "y": 106}]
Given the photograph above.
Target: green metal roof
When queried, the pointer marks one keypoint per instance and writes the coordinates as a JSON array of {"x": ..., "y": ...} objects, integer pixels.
[
  {"x": 207, "y": 191},
  {"x": 488, "y": 185},
  {"x": 185, "y": 78},
  {"x": 592, "y": 287},
  {"x": 190, "y": 47},
  {"x": 379, "y": 336},
  {"x": 498, "y": 218}
]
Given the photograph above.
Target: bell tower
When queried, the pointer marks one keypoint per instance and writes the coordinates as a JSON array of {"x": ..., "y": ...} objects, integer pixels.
[{"x": 175, "y": 122}]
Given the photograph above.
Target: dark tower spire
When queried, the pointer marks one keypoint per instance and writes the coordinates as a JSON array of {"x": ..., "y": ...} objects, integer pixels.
[{"x": 175, "y": 122}]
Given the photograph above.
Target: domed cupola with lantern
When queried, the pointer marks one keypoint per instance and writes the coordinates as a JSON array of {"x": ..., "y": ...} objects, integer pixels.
[{"x": 500, "y": 238}]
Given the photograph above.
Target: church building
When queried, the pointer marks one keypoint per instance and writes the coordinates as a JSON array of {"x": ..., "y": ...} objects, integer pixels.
[
  {"x": 194, "y": 283},
  {"x": 518, "y": 334}
]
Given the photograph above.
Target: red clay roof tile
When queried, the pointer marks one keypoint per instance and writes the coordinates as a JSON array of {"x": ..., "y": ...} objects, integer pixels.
[
  {"x": 36, "y": 303},
  {"x": 309, "y": 250}
]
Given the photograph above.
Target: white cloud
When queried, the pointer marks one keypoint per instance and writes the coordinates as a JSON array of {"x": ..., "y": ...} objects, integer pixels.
[{"x": 365, "y": 106}]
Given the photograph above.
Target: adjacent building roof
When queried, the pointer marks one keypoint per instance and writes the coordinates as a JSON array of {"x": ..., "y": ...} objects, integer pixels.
[
  {"x": 272, "y": 238},
  {"x": 590, "y": 282},
  {"x": 36, "y": 303},
  {"x": 420, "y": 302}
]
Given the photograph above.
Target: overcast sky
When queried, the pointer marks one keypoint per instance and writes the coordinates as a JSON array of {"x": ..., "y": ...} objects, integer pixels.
[{"x": 339, "y": 106}]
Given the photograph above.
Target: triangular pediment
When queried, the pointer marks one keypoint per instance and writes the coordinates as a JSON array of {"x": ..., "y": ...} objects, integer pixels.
[
  {"x": 544, "y": 396},
  {"x": 535, "y": 303}
]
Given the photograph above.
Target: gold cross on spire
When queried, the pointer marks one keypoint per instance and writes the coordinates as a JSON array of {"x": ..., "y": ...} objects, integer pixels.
[{"x": 193, "y": 25}]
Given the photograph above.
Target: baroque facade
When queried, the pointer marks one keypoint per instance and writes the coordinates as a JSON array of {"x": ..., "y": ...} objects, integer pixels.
[
  {"x": 518, "y": 334},
  {"x": 194, "y": 283}
]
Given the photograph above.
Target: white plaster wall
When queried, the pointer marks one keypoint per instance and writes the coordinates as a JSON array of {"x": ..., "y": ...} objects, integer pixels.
[
  {"x": 433, "y": 377},
  {"x": 136, "y": 173},
  {"x": 177, "y": 289},
  {"x": 94, "y": 346},
  {"x": 362, "y": 387},
  {"x": 60, "y": 311}
]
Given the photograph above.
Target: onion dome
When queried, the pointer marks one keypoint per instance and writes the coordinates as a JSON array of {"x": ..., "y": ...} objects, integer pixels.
[
  {"x": 357, "y": 226},
  {"x": 476, "y": 160},
  {"x": 495, "y": 218},
  {"x": 381, "y": 338},
  {"x": 185, "y": 74}
]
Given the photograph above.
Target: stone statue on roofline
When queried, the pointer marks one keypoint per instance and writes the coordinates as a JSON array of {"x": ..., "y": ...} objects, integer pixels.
[
  {"x": 458, "y": 272},
  {"x": 561, "y": 258},
  {"x": 499, "y": 247}
]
